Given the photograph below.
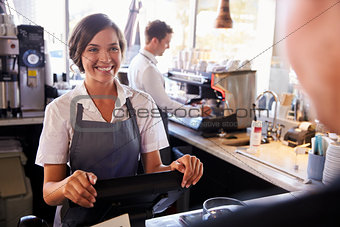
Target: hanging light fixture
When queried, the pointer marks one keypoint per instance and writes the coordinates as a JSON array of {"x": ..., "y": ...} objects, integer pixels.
[{"x": 223, "y": 19}]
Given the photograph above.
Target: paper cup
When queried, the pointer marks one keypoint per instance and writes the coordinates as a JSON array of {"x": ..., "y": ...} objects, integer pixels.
[{"x": 315, "y": 166}]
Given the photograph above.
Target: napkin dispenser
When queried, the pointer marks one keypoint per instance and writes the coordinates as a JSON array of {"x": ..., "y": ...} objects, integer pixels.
[{"x": 300, "y": 135}]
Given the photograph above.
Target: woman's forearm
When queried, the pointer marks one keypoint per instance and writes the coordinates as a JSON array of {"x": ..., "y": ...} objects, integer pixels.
[
  {"x": 152, "y": 162},
  {"x": 53, "y": 192},
  {"x": 159, "y": 168},
  {"x": 54, "y": 183}
]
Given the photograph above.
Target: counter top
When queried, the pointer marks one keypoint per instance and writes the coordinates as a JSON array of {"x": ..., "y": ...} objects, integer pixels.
[
  {"x": 173, "y": 220},
  {"x": 274, "y": 162},
  {"x": 21, "y": 121}
]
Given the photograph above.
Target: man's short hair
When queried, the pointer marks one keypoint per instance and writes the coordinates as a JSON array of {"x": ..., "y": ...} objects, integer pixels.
[{"x": 158, "y": 29}]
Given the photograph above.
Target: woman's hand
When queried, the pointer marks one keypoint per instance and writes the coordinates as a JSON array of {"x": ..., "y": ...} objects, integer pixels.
[
  {"x": 79, "y": 189},
  {"x": 192, "y": 168}
]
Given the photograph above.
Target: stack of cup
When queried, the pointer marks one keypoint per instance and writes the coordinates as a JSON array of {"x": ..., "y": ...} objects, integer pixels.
[{"x": 332, "y": 163}]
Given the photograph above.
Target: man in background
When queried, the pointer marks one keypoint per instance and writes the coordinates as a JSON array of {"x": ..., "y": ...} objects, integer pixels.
[{"x": 144, "y": 75}]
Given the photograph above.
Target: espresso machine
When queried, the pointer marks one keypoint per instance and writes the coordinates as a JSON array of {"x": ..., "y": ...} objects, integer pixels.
[
  {"x": 31, "y": 69},
  {"x": 9, "y": 76},
  {"x": 229, "y": 94}
]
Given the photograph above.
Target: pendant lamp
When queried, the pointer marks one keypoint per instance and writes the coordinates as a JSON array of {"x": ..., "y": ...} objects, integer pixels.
[{"x": 223, "y": 19}]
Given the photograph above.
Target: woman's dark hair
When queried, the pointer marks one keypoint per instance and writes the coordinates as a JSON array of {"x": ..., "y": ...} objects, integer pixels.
[
  {"x": 85, "y": 30},
  {"x": 158, "y": 29}
]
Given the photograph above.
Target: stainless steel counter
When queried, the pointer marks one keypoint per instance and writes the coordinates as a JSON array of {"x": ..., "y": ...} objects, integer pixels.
[{"x": 273, "y": 163}]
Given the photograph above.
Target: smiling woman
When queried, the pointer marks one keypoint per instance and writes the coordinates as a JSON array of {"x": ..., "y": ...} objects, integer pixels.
[{"x": 80, "y": 129}]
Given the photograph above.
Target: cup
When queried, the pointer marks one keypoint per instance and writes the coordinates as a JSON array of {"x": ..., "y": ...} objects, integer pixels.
[
  {"x": 232, "y": 65},
  {"x": 220, "y": 206},
  {"x": 332, "y": 163},
  {"x": 202, "y": 66},
  {"x": 3, "y": 30},
  {"x": 8, "y": 19},
  {"x": 11, "y": 30},
  {"x": 244, "y": 65},
  {"x": 315, "y": 166}
]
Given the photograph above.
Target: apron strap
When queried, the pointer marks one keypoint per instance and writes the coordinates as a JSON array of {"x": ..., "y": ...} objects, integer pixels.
[
  {"x": 132, "y": 113},
  {"x": 131, "y": 110},
  {"x": 80, "y": 109},
  {"x": 165, "y": 119}
]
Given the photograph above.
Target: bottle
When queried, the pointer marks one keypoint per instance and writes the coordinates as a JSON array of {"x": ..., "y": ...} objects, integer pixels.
[
  {"x": 55, "y": 81},
  {"x": 64, "y": 84},
  {"x": 255, "y": 136}
]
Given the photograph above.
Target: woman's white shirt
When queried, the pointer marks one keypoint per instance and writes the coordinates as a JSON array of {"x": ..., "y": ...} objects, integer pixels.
[{"x": 60, "y": 116}]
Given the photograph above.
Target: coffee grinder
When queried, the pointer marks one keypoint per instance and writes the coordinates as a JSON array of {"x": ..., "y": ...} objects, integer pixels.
[
  {"x": 9, "y": 77},
  {"x": 31, "y": 69}
]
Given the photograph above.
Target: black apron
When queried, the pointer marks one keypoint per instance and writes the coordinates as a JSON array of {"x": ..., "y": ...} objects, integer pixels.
[{"x": 108, "y": 150}]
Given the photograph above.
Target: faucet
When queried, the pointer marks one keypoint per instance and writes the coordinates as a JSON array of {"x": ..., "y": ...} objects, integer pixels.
[
  {"x": 274, "y": 129},
  {"x": 279, "y": 131}
]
